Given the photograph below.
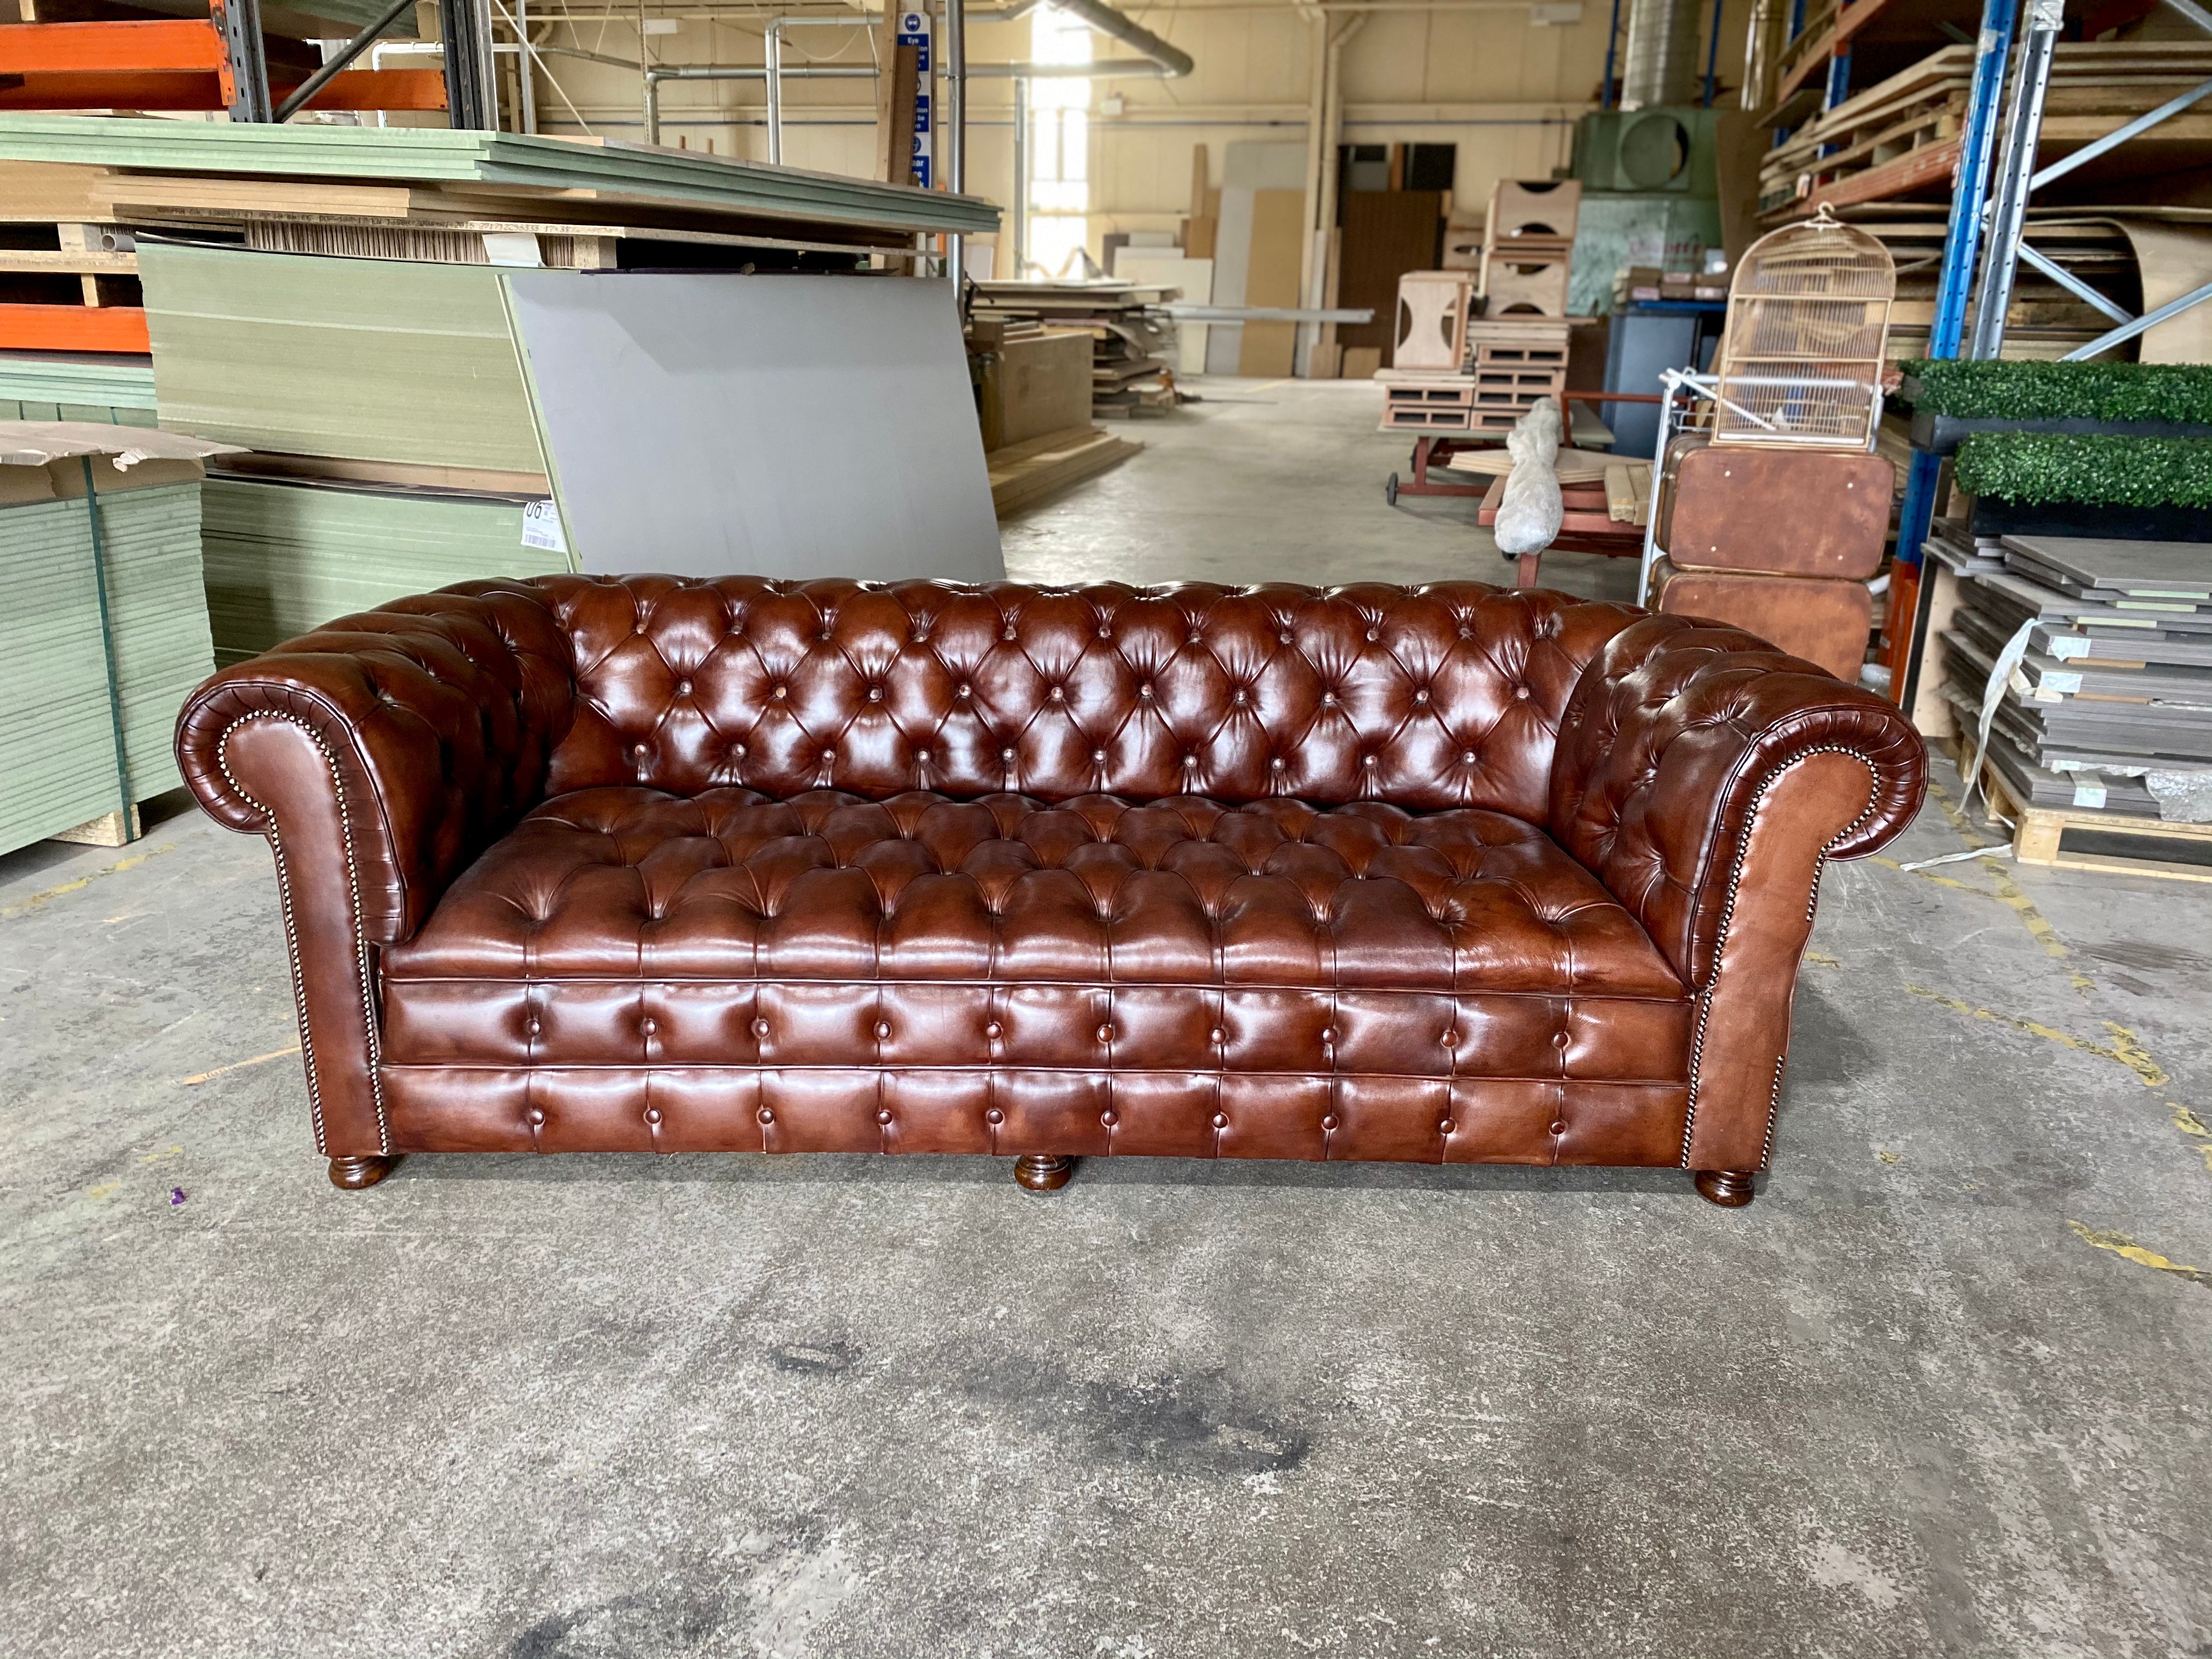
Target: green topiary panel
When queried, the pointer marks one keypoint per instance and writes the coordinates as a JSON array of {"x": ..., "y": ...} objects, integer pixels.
[
  {"x": 2034, "y": 467},
  {"x": 2058, "y": 392}
]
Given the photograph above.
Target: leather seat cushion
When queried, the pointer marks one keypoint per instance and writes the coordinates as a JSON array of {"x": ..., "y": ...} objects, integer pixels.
[{"x": 626, "y": 927}]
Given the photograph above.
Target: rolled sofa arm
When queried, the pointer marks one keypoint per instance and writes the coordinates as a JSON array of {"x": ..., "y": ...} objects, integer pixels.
[
  {"x": 1705, "y": 777},
  {"x": 379, "y": 755}
]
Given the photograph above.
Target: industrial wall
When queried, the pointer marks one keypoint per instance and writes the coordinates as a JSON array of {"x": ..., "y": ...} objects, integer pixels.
[{"x": 1478, "y": 74}]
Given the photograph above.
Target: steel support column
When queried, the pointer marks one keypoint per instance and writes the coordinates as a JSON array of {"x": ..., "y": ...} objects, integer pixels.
[
  {"x": 472, "y": 93},
  {"x": 2008, "y": 209},
  {"x": 244, "y": 77}
]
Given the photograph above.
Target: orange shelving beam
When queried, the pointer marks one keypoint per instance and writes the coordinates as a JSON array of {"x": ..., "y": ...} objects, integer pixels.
[{"x": 171, "y": 65}]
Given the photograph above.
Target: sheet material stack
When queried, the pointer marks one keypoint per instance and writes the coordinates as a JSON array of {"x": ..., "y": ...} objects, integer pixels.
[
  {"x": 2110, "y": 705},
  {"x": 104, "y": 633}
]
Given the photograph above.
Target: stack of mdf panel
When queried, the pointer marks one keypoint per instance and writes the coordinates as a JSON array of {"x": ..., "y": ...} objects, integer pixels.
[
  {"x": 53, "y": 386},
  {"x": 2109, "y": 706},
  {"x": 104, "y": 633},
  {"x": 396, "y": 448}
]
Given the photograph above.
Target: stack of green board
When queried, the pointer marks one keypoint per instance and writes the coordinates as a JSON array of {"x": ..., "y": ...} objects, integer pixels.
[
  {"x": 53, "y": 387},
  {"x": 370, "y": 359},
  {"x": 285, "y": 556},
  {"x": 58, "y": 751}
]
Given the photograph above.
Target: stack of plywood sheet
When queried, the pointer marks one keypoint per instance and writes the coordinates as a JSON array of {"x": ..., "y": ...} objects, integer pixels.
[
  {"x": 2109, "y": 706},
  {"x": 105, "y": 631},
  {"x": 1133, "y": 341}
]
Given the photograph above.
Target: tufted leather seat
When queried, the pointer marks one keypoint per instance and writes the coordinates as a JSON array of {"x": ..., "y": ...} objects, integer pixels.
[{"x": 1456, "y": 874}]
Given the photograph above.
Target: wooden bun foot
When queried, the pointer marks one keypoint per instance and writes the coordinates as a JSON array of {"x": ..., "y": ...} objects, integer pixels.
[
  {"x": 352, "y": 1173},
  {"x": 1730, "y": 1189},
  {"x": 1042, "y": 1172}
]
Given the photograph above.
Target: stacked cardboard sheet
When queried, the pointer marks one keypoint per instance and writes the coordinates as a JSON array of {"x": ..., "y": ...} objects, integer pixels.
[{"x": 2110, "y": 705}]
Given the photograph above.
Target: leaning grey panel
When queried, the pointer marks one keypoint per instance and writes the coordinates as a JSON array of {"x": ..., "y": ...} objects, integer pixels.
[{"x": 773, "y": 426}]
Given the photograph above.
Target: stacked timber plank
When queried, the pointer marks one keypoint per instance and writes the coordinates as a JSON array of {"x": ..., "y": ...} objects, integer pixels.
[
  {"x": 2109, "y": 708},
  {"x": 1026, "y": 473},
  {"x": 1133, "y": 340},
  {"x": 1900, "y": 136},
  {"x": 104, "y": 633}
]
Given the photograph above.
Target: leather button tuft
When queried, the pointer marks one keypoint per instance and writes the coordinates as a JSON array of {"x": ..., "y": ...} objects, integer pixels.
[
  {"x": 995, "y": 1116},
  {"x": 1216, "y": 1034},
  {"x": 533, "y": 1028},
  {"x": 1559, "y": 1039},
  {"x": 1105, "y": 632},
  {"x": 1329, "y": 1123},
  {"x": 1277, "y": 763},
  {"x": 1006, "y": 754},
  {"x": 1146, "y": 692},
  {"x": 1284, "y": 637},
  {"x": 1446, "y": 1126},
  {"x": 767, "y": 1115},
  {"x": 1105, "y": 1034},
  {"x": 780, "y": 692},
  {"x": 648, "y": 1026},
  {"x": 1468, "y": 758},
  {"x": 829, "y": 757},
  {"x": 1110, "y": 1117},
  {"x": 923, "y": 754},
  {"x": 1098, "y": 755},
  {"x": 1221, "y": 1120},
  {"x": 1373, "y": 634},
  {"x": 1558, "y": 1128},
  {"x": 1328, "y": 1034},
  {"x": 1059, "y": 694},
  {"x": 653, "y": 1114},
  {"x": 637, "y": 748},
  {"x": 1421, "y": 696},
  {"x": 1008, "y": 632},
  {"x": 965, "y": 691},
  {"x": 875, "y": 694},
  {"x": 1451, "y": 1039},
  {"x": 992, "y": 1030},
  {"x": 760, "y": 1028},
  {"x": 740, "y": 750},
  {"x": 1521, "y": 692},
  {"x": 682, "y": 688},
  {"x": 536, "y": 1114},
  {"x": 1239, "y": 698},
  {"x": 1369, "y": 760},
  {"x": 883, "y": 1031},
  {"x": 883, "y": 1115}
]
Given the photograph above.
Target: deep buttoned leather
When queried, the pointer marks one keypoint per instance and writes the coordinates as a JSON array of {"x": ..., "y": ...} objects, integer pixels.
[{"x": 1371, "y": 871}]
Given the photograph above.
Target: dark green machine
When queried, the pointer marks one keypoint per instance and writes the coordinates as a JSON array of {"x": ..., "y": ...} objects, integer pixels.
[{"x": 1651, "y": 195}]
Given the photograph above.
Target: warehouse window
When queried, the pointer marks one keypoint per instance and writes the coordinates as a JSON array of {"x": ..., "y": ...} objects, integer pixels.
[{"x": 1059, "y": 145}]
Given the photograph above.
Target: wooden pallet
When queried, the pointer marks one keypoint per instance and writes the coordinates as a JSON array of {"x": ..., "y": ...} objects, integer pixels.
[
  {"x": 75, "y": 291},
  {"x": 1902, "y": 136},
  {"x": 2040, "y": 838}
]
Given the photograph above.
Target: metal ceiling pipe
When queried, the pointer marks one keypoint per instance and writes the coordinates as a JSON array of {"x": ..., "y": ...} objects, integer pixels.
[
  {"x": 1660, "y": 64},
  {"x": 653, "y": 77},
  {"x": 1135, "y": 35}
]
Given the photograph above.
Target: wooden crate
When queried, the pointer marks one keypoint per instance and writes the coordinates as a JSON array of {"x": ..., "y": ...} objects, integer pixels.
[
  {"x": 1513, "y": 285},
  {"x": 1517, "y": 355},
  {"x": 2171, "y": 852}
]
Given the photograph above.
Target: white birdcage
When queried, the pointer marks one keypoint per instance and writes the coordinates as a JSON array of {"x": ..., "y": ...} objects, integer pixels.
[{"x": 1801, "y": 360}]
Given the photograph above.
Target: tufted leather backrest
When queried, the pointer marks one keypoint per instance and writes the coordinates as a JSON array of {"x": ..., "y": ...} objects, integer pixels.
[{"x": 1439, "y": 696}]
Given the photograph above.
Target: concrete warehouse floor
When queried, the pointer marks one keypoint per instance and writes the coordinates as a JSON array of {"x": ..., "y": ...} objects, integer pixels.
[{"x": 1939, "y": 1391}]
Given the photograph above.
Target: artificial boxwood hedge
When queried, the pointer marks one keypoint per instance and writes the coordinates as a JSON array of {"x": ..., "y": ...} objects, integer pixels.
[
  {"x": 2034, "y": 467},
  {"x": 2059, "y": 391}
]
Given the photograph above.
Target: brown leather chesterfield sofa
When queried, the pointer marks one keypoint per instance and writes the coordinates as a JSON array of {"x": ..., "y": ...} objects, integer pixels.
[{"x": 1443, "y": 874}]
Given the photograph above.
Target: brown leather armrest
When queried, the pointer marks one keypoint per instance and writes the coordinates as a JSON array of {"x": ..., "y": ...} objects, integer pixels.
[
  {"x": 430, "y": 721},
  {"x": 1676, "y": 732}
]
